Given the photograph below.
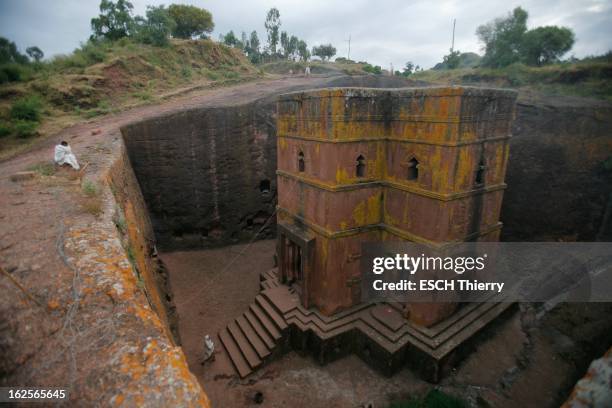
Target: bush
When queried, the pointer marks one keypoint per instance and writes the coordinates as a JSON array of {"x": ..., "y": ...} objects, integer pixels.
[
  {"x": 90, "y": 189},
  {"x": 25, "y": 128},
  {"x": 5, "y": 130},
  {"x": 27, "y": 109},
  {"x": 13, "y": 72},
  {"x": 377, "y": 70}
]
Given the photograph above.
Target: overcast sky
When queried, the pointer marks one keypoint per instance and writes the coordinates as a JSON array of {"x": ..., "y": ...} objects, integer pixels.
[{"x": 382, "y": 31}]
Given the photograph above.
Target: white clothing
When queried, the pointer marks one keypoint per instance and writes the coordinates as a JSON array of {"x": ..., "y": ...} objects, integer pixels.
[
  {"x": 63, "y": 155},
  {"x": 307, "y": 71},
  {"x": 209, "y": 347}
]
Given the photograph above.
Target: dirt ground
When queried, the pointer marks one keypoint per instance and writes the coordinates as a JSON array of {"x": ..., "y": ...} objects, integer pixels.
[{"x": 521, "y": 361}]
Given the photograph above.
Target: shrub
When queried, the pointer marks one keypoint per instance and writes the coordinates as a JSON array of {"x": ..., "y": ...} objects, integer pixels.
[
  {"x": 89, "y": 188},
  {"x": 25, "y": 128},
  {"x": 13, "y": 72},
  {"x": 27, "y": 109},
  {"x": 377, "y": 70},
  {"x": 5, "y": 130}
]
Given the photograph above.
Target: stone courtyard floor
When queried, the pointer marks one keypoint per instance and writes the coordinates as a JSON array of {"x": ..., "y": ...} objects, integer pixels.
[{"x": 522, "y": 360}]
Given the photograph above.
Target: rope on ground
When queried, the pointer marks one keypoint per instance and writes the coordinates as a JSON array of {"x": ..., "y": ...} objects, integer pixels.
[{"x": 234, "y": 259}]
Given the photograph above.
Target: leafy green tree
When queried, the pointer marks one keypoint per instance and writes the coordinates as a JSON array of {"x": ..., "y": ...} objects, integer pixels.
[
  {"x": 253, "y": 48},
  {"x": 544, "y": 45},
  {"x": 325, "y": 51},
  {"x": 231, "y": 39},
  {"x": 502, "y": 38},
  {"x": 115, "y": 20},
  {"x": 156, "y": 28},
  {"x": 303, "y": 51},
  {"x": 408, "y": 69},
  {"x": 10, "y": 53},
  {"x": 452, "y": 60},
  {"x": 284, "y": 42},
  {"x": 35, "y": 53},
  {"x": 377, "y": 70},
  {"x": 272, "y": 25},
  {"x": 191, "y": 21},
  {"x": 292, "y": 45}
]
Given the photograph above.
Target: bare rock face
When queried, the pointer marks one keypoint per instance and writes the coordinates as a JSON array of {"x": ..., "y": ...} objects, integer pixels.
[
  {"x": 558, "y": 187},
  {"x": 594, "y": 389},
  {"x": 208, "y": 175}
]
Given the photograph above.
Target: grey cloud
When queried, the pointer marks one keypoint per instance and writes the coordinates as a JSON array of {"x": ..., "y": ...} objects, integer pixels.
[{"x": 382, "y": 32}]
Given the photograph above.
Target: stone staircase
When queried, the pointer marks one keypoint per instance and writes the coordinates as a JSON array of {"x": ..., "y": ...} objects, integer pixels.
[
  {"x": 378, "y": 333},
  {"x": 251, "y": 339}
]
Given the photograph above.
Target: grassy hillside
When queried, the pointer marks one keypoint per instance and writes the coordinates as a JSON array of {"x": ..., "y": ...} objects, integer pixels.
[
  {"x": 587, "y": 79},
  {"x": 102, "y": 78}
]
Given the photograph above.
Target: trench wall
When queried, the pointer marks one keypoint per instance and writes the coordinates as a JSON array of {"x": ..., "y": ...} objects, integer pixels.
[
  {"x": 132, "y": 220},
  {"x": 201, "y": 173},
  {"x": 208, "y": 175},
  {"x": 558, "y": 185}
]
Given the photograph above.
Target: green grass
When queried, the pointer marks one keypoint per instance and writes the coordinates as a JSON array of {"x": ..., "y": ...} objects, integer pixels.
[
  {"x": 587, "y": 79},
  {"x": 24, "y": 129},
  {"x": 43, "y": 168},
  {"x": 90, "y": 189},
  {"x": 27, "y": 108}
]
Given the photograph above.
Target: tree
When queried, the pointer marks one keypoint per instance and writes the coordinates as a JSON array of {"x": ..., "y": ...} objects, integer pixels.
[
  {"x": 10, "y": 53},
  {"x": 408, "y": 69},
  {"x": 272, "y": 25},
  {"x": 231, "y": 39},
  {"x": 303, "y": 51},
  {"x": 544, "y": 45},
  {"x": 253, "y": 48},
  {"x": 156, "y": 28},
  {"x": 284, "y": 42},
  {"x": 452, "y": 60},
  {"x": 35, "y": 53},
  {"x": 325, "y": 51},
  {"x": 115, "y": 20},
  {"x": 292, "y": 47},
  {"x": 502, "y": 38},
  {"x": 191, "y": 21}
]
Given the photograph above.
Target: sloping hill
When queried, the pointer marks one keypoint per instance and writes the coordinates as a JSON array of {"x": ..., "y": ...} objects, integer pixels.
[
  {"x": 107, "y": 77},
  {"x": 586, "y": 79}
]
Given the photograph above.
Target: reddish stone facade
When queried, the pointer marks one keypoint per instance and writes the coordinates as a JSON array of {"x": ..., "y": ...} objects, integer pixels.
[{"x": 361, "y": 165}]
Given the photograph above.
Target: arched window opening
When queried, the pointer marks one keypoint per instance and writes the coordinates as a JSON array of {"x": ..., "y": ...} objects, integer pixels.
[
  {"x": 480, "y": 173},
  {"x": 413, "y": 169},
  {"x": 301, "y": 164},
  {"x": 360, "y": 166},
  {"x": 264, "y": 186}
]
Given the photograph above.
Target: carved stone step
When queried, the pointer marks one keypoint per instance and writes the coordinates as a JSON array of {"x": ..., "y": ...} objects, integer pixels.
[
  {"x": 244, "y": 345},
  {"x": 253, "y": 338},
  {"x": 236, "y": 357}
]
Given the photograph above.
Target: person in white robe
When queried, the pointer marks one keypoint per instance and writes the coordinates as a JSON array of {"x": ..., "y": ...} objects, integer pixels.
[
  {"x": 64, "y": 155},
  {"x": 209, "y": 347}
]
